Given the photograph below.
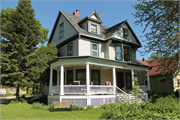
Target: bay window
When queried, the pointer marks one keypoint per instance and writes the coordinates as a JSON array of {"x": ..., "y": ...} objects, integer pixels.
[{"x": 123, "y": 53}]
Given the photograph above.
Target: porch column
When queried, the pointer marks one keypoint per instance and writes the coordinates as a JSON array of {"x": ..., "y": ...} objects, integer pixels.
[
  {"x": 62, "y": 81},
  {"x": 148, "y": 82},
  {"x": 114, "y": 79},
  {"x": 58, "y": 78},
  {"x": 132, "y": 77},
  {"x": 87, "y": 79},
  {"x": 50, "y": 80}
]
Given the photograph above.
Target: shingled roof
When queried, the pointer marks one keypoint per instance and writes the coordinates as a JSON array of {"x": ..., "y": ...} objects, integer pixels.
[{"x": 105, "y": 32}]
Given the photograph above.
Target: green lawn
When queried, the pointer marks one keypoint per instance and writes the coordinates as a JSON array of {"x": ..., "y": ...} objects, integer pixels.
[{"x": 24, "y": 111}]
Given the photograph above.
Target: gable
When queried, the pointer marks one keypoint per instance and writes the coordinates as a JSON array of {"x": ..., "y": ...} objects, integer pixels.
[
  {"x": 119, "y": 34},
  {"x": 68, "y": 30},
  {"x": 94, "y": 17}
]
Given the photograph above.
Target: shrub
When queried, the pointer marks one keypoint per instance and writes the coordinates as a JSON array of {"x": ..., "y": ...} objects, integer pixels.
[
  {"x": 89, "y": 107},
  {"x": 24, "y": 95},
  {"x": 37, "y": 105},
  {"x": 76, "y": 107}
]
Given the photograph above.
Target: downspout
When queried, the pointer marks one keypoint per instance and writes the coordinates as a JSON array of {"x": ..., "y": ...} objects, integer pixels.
[{"x": 78, "y": 43}]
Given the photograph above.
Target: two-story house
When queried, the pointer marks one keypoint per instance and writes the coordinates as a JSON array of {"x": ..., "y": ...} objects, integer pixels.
[{"x": 95, "y": 61}]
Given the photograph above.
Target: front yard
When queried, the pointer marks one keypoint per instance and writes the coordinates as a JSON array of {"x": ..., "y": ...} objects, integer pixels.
[{"x": 25, "y": 111}]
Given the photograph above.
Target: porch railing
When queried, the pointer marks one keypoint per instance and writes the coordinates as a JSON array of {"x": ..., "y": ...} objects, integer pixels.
[
  {"x": 55, "y": 89},
  {"x": 101, "y": 89},
  {"x": 144, "y": 88},
  {"x": 75, "y": 89}
]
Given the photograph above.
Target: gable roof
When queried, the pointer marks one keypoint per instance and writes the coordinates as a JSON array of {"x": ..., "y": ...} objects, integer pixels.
[
  {"x": 105, "y": 32},
  {"x": 157, "y": 66}
]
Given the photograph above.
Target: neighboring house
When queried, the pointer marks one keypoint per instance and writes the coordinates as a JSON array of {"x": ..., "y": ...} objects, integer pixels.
[
  {"x": 95, "y": 61},
  {"x": 159, "y": 82}
]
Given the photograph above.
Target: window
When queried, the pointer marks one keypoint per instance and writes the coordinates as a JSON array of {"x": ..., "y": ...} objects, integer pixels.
[
  {"x": 70, "y": 50},
  {"x": 94, "y": 51},
  {"x": 81, "y": 76},
  {"x": 122, "y": 53},
  {"x": 61, "y": 29},
  {"x": 95, "y": 77},
  {"x": 126, "y": 53},
  {"x": 125, "y": 33},
  {"x": 94, "y": 28},
  {"x": 162, "y": 80}
]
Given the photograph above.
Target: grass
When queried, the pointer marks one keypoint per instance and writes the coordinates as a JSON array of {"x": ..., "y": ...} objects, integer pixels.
[
  {"x": 25, "y": 111},
  {"x": 20, "y": 95}
]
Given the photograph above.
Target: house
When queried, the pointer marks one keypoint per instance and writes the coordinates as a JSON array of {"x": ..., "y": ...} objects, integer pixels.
[
  {"x": 95, "y": 61},
  {"x": 161, "y": 82}
]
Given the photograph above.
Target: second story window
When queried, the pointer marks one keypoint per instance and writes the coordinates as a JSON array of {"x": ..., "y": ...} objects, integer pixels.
[
  {"x": 94, "y": 28},
  {"x": 94, "y": 50},
  {"x": 123, "y": 53},
  {"x": 61, "y": 30},
  {"x": 70, "y": 50}
]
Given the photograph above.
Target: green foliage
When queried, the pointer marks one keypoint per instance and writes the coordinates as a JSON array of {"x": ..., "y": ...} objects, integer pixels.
[
  {"x": 89, "y": 107},
  {"x": 162, "y": 18},
  {"x": 155, "y": 57},
  {"x": 7, "y": 95},
  {"x": 77, "y": 107},
  {"x": 163, "y": 108},
  {"x": 37, "y": 105}
]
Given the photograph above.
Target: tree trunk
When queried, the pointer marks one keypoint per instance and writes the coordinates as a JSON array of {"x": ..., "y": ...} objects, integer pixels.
[
  {"x": 17, "y": 92},
  {"x": 27, "y": 90},
  {"x": 33, "y": 89}
]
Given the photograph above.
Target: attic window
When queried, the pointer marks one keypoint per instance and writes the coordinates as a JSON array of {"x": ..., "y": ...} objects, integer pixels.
[
  {"x": 61, "y": 29},
  {"x": 125, "y": 33},
  {"x": 94, "y": 28}
]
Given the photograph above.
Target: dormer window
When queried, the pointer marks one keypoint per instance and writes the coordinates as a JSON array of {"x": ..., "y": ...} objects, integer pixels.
[
  {"x": 94, "y": 28},
  {"x": 125, "y": 33},
  {"x": 61, "y": 30}
]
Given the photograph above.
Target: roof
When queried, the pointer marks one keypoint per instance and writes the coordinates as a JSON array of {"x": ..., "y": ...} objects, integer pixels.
[
  {"x": 158, "y": 66},
  {"x": 106, "y": 32},
  {"x": 95, "y": 58}
]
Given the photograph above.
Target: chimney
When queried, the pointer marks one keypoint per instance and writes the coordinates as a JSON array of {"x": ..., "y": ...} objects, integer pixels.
[
  {"x": 76, "y": 13},
  {"x": 143, "y": 59}
]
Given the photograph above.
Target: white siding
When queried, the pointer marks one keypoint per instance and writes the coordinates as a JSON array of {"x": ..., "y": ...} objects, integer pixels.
[
  {"x": 69, "y": 31},
  {"x": 63, "y": 49},
  {"x": 85, "y": 47}
]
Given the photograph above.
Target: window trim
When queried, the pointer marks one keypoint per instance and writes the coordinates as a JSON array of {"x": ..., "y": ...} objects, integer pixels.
[
  {"x": 91, "y": 48},
  {"x": 122, "y": 52},
  {"x": 97, "y": 28},
  {"x": 61, "y": 31},
  {"x": 70, "y": 44}
]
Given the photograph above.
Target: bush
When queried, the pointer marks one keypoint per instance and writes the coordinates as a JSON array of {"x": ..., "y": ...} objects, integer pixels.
[
  {"x": 24, "y": 95},
  {"x": 162, "y": 108},
  {"x": 89, "y": 107},
  {"x": 76, "y": 107},
  {"x": 37, "y": 105}
]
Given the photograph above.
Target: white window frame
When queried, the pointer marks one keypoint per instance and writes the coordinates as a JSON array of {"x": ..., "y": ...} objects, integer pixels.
[
  {"x": 97, "y": 27},
  {"x": 94, "y": 31},
  {"x": 61, "y": 31},
  {"x": 94, "y": 50}
]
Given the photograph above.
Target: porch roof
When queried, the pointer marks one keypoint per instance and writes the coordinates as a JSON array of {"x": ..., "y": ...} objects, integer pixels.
[{"x": 96, "y": 58}]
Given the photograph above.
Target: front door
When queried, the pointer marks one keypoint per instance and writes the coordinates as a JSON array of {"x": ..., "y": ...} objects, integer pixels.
[
  {"x": 120, "y": 79},
  {"x": 95, "y": 77},
  {"x": 128, "y": 81}
]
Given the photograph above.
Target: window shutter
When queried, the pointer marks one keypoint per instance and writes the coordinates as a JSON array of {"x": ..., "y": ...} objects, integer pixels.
[
  {"x": 89, "y": 27},
  {"x": 98, "y": 30}
]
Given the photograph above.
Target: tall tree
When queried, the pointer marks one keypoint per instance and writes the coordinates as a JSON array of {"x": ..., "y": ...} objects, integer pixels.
[
  {"x": 37, "y": 63},
  {"x": 162, "y": 17},
  {"x": 19, "y": 36}
]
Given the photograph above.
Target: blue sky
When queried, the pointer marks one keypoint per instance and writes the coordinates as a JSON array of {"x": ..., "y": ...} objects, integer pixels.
[{"x": 114, "y": 12}]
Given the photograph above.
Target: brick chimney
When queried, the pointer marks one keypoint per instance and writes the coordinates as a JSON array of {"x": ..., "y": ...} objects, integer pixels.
[
  {"x": 143, "y": 59},
  {"x": 76, "y": 13}
]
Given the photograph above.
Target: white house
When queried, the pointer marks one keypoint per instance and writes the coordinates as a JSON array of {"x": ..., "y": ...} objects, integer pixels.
[{"x": 95, "y": 61}]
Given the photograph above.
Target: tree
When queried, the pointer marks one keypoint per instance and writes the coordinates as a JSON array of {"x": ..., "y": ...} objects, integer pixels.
[
  {"x": 162, "y": 17},
  {"x": 20, "y": 34},
  {"x": 155, "y": 57},
  {"x": 37, "y": 64}
]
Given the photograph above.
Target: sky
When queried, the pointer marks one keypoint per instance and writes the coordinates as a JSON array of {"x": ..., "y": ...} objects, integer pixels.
[{"x": 111, "y": 12}]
